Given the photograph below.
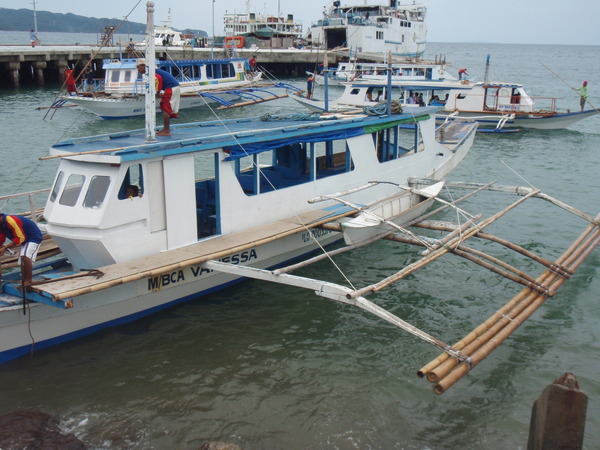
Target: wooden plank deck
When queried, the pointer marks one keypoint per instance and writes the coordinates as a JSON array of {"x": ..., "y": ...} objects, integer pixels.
[{"x": 194, "y": 254}]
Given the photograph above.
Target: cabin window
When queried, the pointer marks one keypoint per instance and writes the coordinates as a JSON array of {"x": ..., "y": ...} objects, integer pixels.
[
  {"x": 72, "y": 190},
  {"x": 132, "y": 182},
  {"x": 127, "y": 76},
  {"x": 379, "y": 35},
  {"x": 57, "y": 185},
  {"x": 114, "y": 76},
  {"x": 291, "y": 165},
  {"x": 491, "y": 98},
  {"x": 355, "y": 91},
  {"x": 395, "y": 142},
  {"x": 96, "y": 192}
]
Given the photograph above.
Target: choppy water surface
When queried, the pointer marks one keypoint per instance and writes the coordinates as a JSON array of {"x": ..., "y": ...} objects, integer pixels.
[{"x": 268, "y": 366}]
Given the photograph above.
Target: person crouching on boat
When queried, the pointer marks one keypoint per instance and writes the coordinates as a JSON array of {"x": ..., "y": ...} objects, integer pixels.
[
  {"x": 168, "y": 89},
  {"x": 24, "y": 232}
]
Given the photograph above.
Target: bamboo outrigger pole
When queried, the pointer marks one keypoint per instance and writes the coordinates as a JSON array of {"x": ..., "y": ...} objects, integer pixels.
[{"x": 480, "y": 342}]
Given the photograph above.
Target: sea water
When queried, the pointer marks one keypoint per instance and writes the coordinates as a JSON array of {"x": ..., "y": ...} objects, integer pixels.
[{"x": 267, "y": 366}]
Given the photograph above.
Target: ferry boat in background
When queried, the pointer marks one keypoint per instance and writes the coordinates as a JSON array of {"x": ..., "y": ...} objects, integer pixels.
[
  {"x": 369, "y": 71},
  {"x": 220, "y": 80},
  {"x": 372, "y": 29},
  {"x": 250, "y": 29}
]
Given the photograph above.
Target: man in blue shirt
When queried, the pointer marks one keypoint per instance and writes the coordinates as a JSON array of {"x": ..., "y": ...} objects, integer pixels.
[
  {"x": 168, "y": 89},
  {"x": 24, "y": 232}
]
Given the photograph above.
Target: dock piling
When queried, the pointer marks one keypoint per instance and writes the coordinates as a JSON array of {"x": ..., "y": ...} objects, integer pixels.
[{"x": 558, "y": 416}]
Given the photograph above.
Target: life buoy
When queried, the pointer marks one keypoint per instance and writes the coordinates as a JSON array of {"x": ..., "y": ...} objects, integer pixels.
[{"x": 234, "y": 41}]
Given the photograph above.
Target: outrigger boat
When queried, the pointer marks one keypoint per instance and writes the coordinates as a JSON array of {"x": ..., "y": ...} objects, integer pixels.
[
  {"x": 234, "y": 191},
  {"x": 495, "y": 106},
  {"x": 225, "y": 82},
  {"x": 230, "y": 199}
]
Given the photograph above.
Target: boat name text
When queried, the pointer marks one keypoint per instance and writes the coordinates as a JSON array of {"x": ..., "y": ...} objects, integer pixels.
[{"x": 177, "y": 276}]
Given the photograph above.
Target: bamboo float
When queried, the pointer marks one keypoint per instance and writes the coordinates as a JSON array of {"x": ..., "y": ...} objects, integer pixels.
[
  {"x": 484, "y": 351},
  {"x": 481, "y": 341},
  {"x": 425, "y": 371}
]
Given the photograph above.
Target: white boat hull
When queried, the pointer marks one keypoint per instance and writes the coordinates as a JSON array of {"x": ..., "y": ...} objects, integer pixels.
[
  {"x": 531, "y": 121},
  {"x": 120, "y": 108}
]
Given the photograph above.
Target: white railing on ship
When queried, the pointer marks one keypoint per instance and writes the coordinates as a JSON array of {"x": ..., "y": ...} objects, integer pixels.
[{"x": 35, "y": 214}]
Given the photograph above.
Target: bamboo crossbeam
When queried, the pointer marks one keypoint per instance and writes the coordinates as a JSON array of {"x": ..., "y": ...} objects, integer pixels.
[
  {"x": 562, "y": 271},
  {"x": 323, "y": 256},
  {"x": 481, "y": 341},
  {"x": 437, "y": 253},
  {"x": 447, "y": 226},
  {"x": 517, "y": 276},
  {"x": 523, "y": 190},
  {"x": 452, "y": 234}
]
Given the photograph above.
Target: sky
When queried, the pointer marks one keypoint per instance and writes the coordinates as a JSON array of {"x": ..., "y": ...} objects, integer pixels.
[{"x": 501, "y": 21}]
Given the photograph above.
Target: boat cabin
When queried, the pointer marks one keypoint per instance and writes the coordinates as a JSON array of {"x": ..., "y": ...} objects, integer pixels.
[
  {"x": 135, "y": 199},
  {"x": 122, "y": 77},
  {"x": 493, "y": 97}
]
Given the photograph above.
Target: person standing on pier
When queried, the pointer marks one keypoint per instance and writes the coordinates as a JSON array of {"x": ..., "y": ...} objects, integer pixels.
[
  {"x": 24, "y": 232},
  {"x": 168, "y": 89},
  {"x": 33, "y": 38}
]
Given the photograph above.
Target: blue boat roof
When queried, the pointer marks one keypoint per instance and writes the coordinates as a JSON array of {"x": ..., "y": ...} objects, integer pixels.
[
  {"x": 130, "y": 62},
  {"x": 204, "y": 136}
]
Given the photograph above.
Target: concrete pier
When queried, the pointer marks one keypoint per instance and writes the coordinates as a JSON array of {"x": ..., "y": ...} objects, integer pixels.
[{"x": 26, "y": 65}]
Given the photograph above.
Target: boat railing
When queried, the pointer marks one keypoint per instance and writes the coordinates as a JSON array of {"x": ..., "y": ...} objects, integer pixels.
[
  {"x": 513, "y": 103},
  {"x": 26, "y": 200}
]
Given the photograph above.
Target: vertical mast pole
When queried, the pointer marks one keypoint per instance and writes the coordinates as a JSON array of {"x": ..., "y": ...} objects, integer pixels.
[{"x": 151, "y": 68}]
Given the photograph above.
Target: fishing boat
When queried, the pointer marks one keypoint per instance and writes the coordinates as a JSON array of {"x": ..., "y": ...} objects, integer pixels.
[
  {"x": 203, "y": 82},
  {"x": 496, "y": 106},
  {"x": 235, "y": 192},
  {"x": 507, "y": 105},
  {"x": 376, "y": 29},
  {"x": 166, "y": 35},
  {"x": 368, "y": 71}
]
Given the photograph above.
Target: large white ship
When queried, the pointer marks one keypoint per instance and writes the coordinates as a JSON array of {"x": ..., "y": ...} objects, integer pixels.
[{"x": 377, "y": 28}]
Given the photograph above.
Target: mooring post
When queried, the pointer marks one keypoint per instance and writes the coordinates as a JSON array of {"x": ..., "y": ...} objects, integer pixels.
[
  {"x": 38, "y": 67},
  {"x": 558, "y": 416},
  {"x": 13, "y": 69}
]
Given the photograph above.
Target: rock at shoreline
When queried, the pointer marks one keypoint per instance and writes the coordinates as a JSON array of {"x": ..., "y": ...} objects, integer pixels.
[{"x": 34, "y": 430}]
